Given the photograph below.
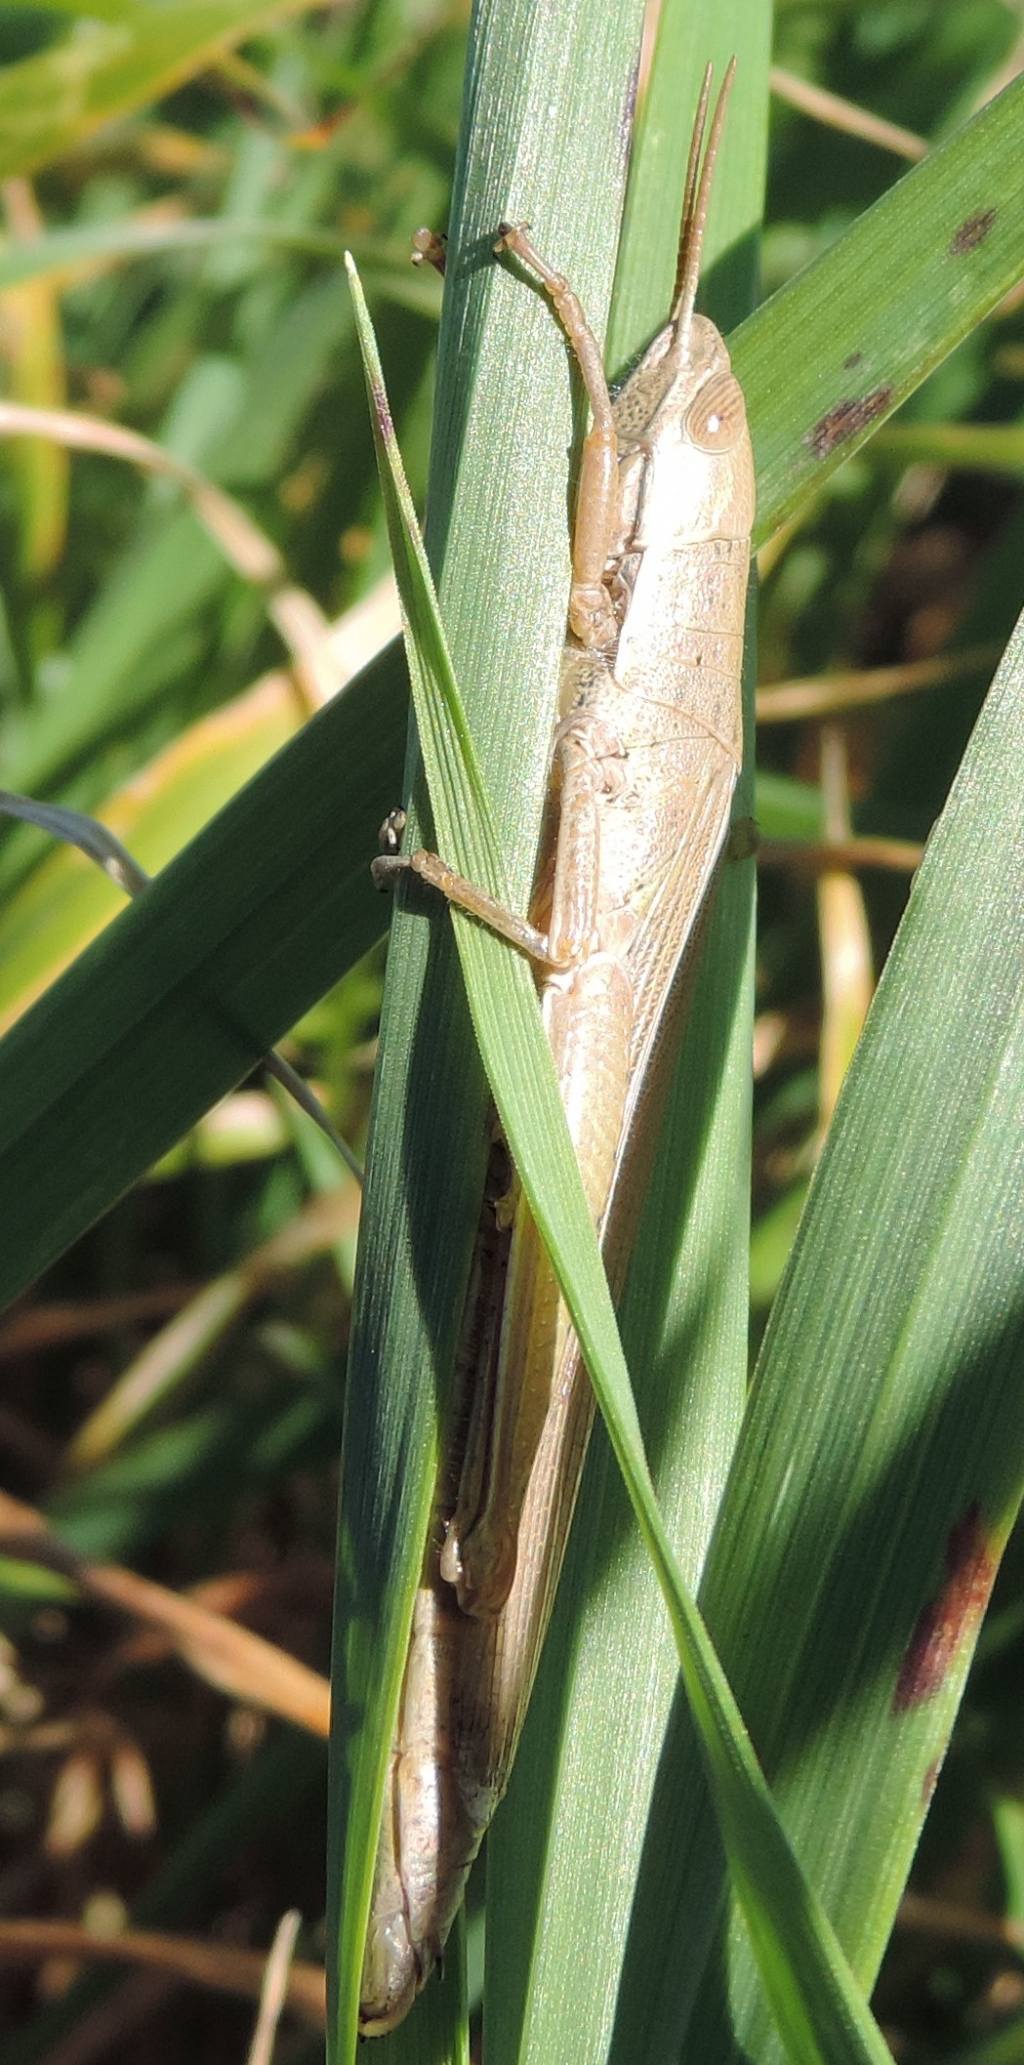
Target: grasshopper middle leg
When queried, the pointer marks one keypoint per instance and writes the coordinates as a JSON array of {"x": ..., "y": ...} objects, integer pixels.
[{"x": 579, "y": 771}]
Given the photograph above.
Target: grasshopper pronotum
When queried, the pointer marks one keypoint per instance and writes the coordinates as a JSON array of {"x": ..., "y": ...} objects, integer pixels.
[{"x": 644, "y": 762}]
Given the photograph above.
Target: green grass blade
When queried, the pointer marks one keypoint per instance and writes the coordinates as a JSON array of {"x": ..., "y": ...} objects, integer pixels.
[
  {"x": 59, "y": 907},
  {"x": 862, "y": 327},
  {"x": 880, "y": 1468},
  {"x": 179, "y": 997}
]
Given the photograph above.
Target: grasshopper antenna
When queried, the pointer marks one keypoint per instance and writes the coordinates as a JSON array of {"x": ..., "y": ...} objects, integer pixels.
[
  {"x": 690, "y": 189},
  {"x": 695, "y": 202}
]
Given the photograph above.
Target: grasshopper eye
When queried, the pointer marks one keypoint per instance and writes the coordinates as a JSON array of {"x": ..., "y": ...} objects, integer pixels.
[{"x": 715, "y": 418}]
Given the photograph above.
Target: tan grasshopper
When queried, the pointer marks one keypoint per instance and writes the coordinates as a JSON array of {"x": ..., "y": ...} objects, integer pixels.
[{"x": 644, "y": 762}]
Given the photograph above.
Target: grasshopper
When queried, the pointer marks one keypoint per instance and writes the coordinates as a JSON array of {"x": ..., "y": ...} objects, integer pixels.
[{"x": 644, "y": 762}]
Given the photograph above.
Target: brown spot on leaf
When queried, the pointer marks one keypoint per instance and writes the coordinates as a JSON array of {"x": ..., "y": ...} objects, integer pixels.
[
  {"x": 846, "y": 419},
  {"x": 930, "y": 1781},
  {"x": 972, "y": 232},
  {"x": 853, "y": 360},
  {"x": 945, "y": 1622},
  {"x": 628, "y": 115},
  {"x": 382, "y": 412}
]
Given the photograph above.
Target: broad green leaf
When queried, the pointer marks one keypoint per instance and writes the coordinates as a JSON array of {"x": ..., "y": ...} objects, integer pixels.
[
  {"x": 861, "y": 335},
  {"x": 179, "y": 997},
  {"x": 90, "y": 837},
  {"x": 62, "y": 905},
  {"x": 882, "y": 1463}
]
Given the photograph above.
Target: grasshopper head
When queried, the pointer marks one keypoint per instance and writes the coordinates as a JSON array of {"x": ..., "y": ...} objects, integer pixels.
[{"x": 715, "y": 417}]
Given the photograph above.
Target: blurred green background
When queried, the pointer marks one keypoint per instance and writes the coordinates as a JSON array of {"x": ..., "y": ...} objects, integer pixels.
[{"x": 174, "y": 210}]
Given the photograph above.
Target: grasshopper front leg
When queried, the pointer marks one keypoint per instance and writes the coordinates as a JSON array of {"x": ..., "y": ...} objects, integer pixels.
[
  {"x": 592, "y": 616},
  {"x": 592, "y": 621}
]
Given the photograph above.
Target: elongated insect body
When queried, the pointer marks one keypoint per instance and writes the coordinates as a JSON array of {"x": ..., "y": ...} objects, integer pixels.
[{"x": 645, "y": 757}]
